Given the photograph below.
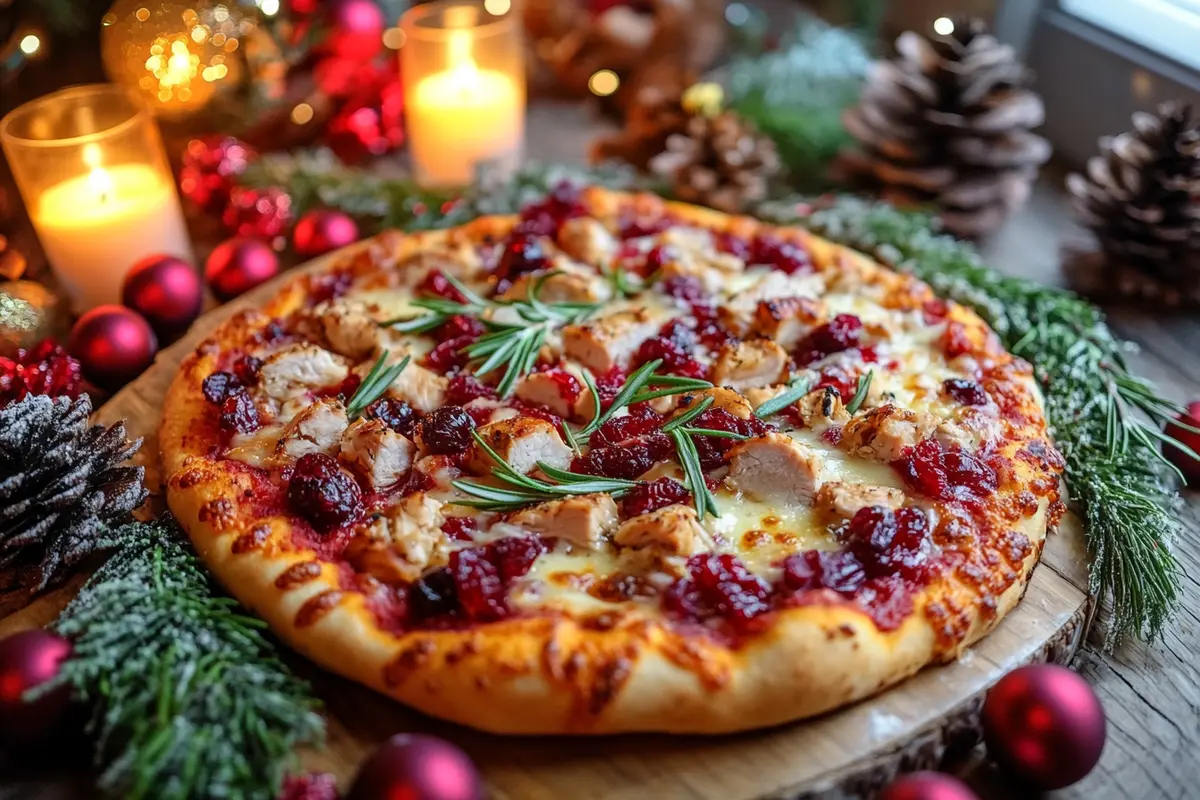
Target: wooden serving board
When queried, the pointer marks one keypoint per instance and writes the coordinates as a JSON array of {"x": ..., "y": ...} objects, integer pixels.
[{"x": 849, "y": 753}]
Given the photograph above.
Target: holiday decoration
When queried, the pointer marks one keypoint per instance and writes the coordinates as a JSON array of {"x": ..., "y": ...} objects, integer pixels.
[
  {"x": 28, "y": 660},
  {"x": 166, "y": 291},
  {"x": 322, "y": 231},
  {"x": 355, "y": 29},
  {"x": 1141, "y": 199},
  {"x": 926, "y": 786},
  {"x": 45, "y": 368},
  {"x": 310, "y": 787},
  {"x": 948, "y": 123},
  {"x": 370, "y": 122},
  {"x": 63, "y": 485},
  {"x": 1186, "y": 463},
  {"x": 719, "y": 159},
  {"x": 654, "y": 115},
  {"x": 174, "y": 56},
  {"x": 238, "y": 265},
  {"x": 180, "y": 681},
  {"x": 114, "y": 344},
  {"x": 417, "y": 766},
  {"x": 29, "y": 313},
  {"x": 265, "y": 214},
  {"x": 1044, "y": 724},
  {"x": 210, "y": 167}
]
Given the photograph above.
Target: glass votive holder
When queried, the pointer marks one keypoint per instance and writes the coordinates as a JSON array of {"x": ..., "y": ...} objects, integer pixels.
[
  {"x": 464, "y": 84},
  {"x": 91, "y": 169}
]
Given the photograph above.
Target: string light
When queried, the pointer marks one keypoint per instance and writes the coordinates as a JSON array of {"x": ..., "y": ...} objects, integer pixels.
[
  {"x": 943, "y": 26},
  {"x": 30, "y": 44},
  {"x": 302, "y": 114},
  {"x": 603, "y": 82},
  {"x": 269, "y": 7},
  {"x": 497, "y": 7},
  {"x": 393, "y": 38}
]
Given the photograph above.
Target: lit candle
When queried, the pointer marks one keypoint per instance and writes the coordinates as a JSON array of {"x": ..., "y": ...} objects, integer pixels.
[
  {"x": 470, "y": 114},
  {"x": 92, "y": 172}
]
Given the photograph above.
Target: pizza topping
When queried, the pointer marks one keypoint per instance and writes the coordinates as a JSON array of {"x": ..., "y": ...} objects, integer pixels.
[
  {"x": 889, "y": 542},
  {"x": 784, "y": 255},
  {"x": 673, "y": 347},
  {"x": 756, "y": 363},
  {"x": 323, "y": 493},
  {"x": 847, "y": 499},
  {"x": 348, "y": 327},
  {"x": 246, "y": 369},
  {"x": 718, "y": 587},
  {"x": 969, "y": 393},
  {"x": 445, "y": 431},
  {"x": 627, "y": 460},
  {"x": 887, "y": 432},
  {"x": 587, "y": 240},
  {"x": 843, "y": 332},
  {"x": 316, "y": 429},
  {"x": 584, "y": 520},
  {"x": 839, "y": 570},
  {"x": 402, "y": 543},
  {"x": 555, "y": 389},
  {"x": 787, "y": 320},
  {"x": 670, "y": 530},
  {"x": 239, "y": 414},
  {"x": 724, "y": 399},
  {"x": 420, "y": 388},
  {"x": 647, "y": 497},
  {"x": 396, "y": 414},
  {"x": 521, "y": 442},
  {"x": 946, "y": 474},
  {"x": 523, "y": 253},
  {"x": 775, "y": 468},
  {"x": 611, "y": 341},
  {"x": 299, "y": 368},
  {"x": 377, "y": 452},
  {"x": 219, "y": 386},
  {"x": 449, "y": 355},
  {"x": 822, "y": 409},
  {"x": 437, "y": 284},
  {"x": 547, "y": 216}
]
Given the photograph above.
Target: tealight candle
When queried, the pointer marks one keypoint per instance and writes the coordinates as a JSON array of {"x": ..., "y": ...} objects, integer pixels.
[
  {"x": 91, "y": 169},
  {"x": 463, "y": 71}
]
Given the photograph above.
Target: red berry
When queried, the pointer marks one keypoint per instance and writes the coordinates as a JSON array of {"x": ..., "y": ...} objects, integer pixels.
[
  {"x": 640, "y": 421},
  {"x": 448, "y": 356},
  {"x": 783, "y": 255},
  {"x": 839, "y": 570},
  {"x": 934, "y": 311},
  {"x": 545, "y": 217},
  {"x": 837, "y": 377},
  {"x": 523, "y": 253},
  {"x": 627, "y": 460},
  {"x": 514, "y": 556},
  {"x": 686, "y": 289},
  {"x": 733, "y": 245},
  {"x": 631, "y": 225},
  {"x": 219, "y": 386},
  {"x": 955, "y": 341},
  {"x": 460, "y": 326},
  {"x": 709, "y": 328},
  {"x": 434, "y": 595},
  {"x": 718, "y": 586},
  {"x": 481, "y": 593},
  {"x": 839, "y": 334},
  {"x": 396, "y": 414},
  {"x": 1188, "y": 465},
  {"x": 675, "y": 360},
  {"x": 247, "y": 368},
  {"x": 323, "y": 493},
  {"x": 946, "y": 474},
  {"x": 239, "y": 414},
  {"x": 890, "y": 542},
  {"x": 647, "y": 497},
  {"x": 464, "y": 388},
  {"x": 609, "y": 384},
  {"x": 447, "y": 430},
  {"x": 438, "y": 285},
  {"x": 461, "y": 529},
  {"x": 969, "y": 393}
]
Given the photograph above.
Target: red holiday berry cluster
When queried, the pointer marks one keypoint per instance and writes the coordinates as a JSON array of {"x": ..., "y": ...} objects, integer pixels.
[{"x": 44, "y": 369}]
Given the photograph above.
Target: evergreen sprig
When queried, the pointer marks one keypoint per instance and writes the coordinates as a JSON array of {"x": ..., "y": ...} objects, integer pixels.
[
  {"x": 189, "y": 700},
  {"x": 1113, "y": 463}
]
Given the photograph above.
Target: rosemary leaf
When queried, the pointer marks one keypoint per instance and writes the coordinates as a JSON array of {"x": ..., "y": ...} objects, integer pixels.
[
  {"x": 779, "y": 402},
  {"x": 860, "y": 395},
  {"x": 687, "y": 416},
  {"x": 375, "y": 384},
  {"x": 685, "y": 448}
]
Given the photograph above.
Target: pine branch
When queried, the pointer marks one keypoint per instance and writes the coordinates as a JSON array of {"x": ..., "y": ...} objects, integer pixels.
[{"x": 189, "y": 700}]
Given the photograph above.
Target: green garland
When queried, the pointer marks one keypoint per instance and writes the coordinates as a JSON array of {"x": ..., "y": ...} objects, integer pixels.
[{"x": 189, "y": 699}]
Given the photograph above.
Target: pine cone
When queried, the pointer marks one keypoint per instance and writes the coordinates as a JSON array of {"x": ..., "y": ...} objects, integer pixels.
[
  {"x": 1141, "y": 198},
  {"x": 720, "y": 161},
  {"x": 654, "y": 116},
  {"x": 947, "y": 122},
  {"x": 61, "y": 486}
]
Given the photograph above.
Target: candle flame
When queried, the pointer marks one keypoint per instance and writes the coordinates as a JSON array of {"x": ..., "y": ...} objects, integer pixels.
[{"x": 101, "y": 183}]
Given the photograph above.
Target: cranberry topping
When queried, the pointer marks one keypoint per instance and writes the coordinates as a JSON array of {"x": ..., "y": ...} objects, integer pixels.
[
  {"x": 396, "y": 414},
  {"x": 686, "y": 289},
  {"x": 632, "y": 226},
  {"x": 627, "y": 460},
  {"x": 323, "y": 493},
  {"x": 640, "y": 421},
  {"x": 434, "y": 595},
  {"x": 733, "y": 245},
  {"x": 464, "y": 388},
  {"x": 675, "y": 359},
  {"x": 955, "y": 341},
  {"x": 523, "y": 253},
  {"x": 781, "y": 254},
  {"x": 239, "y": 414},
  {"x": 841, "y": 333},
  {"x": 273, "y": 332},
  {"x": 609, "y": 385},
  {"x": 514, "y": 556},
  {"x": 890, "y": 542},
  {"x": 568, "y": 385},
  {"x": 709, "y": 329},
  {"x": 219, "y": 386},
  {"x": 647, "y": 497},
  {"x": 969, "y": 393},
  {"x": 834, "y": 376},
  {"x": 438, "y": 285},
  {"x": 946, "y": 474},
  {"x": 839, "y": 570},
  {"x": 447, "y": 430},
  {"x": 329, "y": 286},
  {"x": 545, "y": 217},
  {"x": 247, "y": 368},
  {"x": 344, "y": 390},
  {"x": 720, "y": 587},
  {"x": 448, "y": 356},
  {"x": 934, "y": 311},
  {"x": 478, "y": 585},
  {"x": 460, "y": 326},
  {"x": 713, "y": 450},
  {"x": 476, "y": 581},
  {"x": 461, "y": 529},
  {"x": 887, "y": 601},
  {"x": 656, "y": 258}
]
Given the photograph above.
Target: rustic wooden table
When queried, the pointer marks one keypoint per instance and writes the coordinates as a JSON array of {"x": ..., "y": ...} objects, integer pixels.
[{"x": 1151, "y": 693}]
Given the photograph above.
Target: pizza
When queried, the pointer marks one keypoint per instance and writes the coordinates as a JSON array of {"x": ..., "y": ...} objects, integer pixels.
[{"x": 613, "y": 464}]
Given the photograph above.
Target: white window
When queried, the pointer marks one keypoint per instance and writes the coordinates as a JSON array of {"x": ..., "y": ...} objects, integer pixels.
[{"x": 1170, "y": 28}]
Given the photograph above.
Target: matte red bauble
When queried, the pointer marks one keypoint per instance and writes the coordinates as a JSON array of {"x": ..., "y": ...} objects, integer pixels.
[
  {"x": 28, "y": 660},
  {"x": 927, "y": 786},
  {"x": 1189, "y": 466},
  {"x": 166, "y": 291},
  {"x": 355, "y": 28},
  {"x": 114, "y": 345},
  {"x": 238, "y": 265},
  {"x": 1045, "y": 725},
  {"x": 417, "y": 767},
  {"x": 322, "y": 231}
]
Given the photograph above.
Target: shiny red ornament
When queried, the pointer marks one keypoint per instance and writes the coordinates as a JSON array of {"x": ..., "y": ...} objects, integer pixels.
[
  {"x": 322, "y": 231},
  {"x": 417, "y": 767},
  {"x": 1045, "y": 725},
  {"x": 1188, "y": 465},
  {"x": 114, "y": 345},
  {"x": 310, "y": 786},
  {"x": 371, "y": 123},
  {"x": 927, "y": 786},
  {"x": 166, "y": 291},
  {"x": 44, "y": 369},
  {"x": 28, "y": 660},
  {"x": 238, "y": 265},
  {"x": 208, "y": 169},
  {"x": 355, "y": 29},
  {"x": 265, "y": 213}
]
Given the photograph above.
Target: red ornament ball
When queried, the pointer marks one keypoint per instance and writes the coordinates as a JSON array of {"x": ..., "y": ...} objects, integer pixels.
[
  {"x": 28, "y": 660},
  {"x": 114, "y": 345},
  {"x": 927, "y": 786},
  {"x": 320, "y": 232},
  {"x": 1189, "y": 466},
  {"x": 310, "y": 786},
  {"x": 1044, "y": 724},
  {"x": 417, "y": 767},
  {"x": 209, "y": 166},
  {"x": 265, "y": 213},
  {"x": 355, "y": 29},
  {"x": 238, "y": 265},
  {"x": 44, "y": 369},
  {"x": 370, "y": 123},
  {"x": 166, "y": 291}
]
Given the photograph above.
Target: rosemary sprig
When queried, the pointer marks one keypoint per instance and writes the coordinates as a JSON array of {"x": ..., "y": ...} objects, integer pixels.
[
  {"x": 685, "y": 448},
  {"x": 188, "y": 698},
  {"x": 799, "y": 388},
  {"x": 635, "y": 390},
  {"x": 375, "y": 384},
  {"x": 860, "y": 394}
]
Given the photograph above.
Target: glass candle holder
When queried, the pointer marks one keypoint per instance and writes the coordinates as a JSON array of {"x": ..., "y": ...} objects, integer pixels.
[
  {"x": 464, "y": 87},
  {"x": 91, "y": 169}
]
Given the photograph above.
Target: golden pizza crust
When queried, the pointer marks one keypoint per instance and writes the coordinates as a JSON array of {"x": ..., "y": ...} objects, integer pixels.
[{"x": 623, "y": 671}]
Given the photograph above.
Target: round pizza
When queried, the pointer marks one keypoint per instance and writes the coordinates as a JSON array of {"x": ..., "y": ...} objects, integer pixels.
[{"x": 613, "y": 464}]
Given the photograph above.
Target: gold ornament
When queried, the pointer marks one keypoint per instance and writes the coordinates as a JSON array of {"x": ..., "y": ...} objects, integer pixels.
[
  {"x": 29, "y": 312},
  {"x": 175, "y": 57}
]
